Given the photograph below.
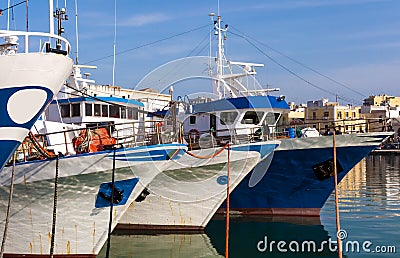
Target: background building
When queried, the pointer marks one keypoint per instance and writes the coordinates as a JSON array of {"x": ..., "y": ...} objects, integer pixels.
[{"x": 323, "y": 115}]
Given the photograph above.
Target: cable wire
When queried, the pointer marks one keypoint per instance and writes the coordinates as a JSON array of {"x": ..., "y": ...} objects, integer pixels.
[
  {"x": 295, "y": 74},
  {"x": 148, "y": 44}
]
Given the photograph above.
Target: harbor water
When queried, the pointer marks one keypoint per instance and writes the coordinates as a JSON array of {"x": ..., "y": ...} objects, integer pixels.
[{"x": 369, "y": 202}]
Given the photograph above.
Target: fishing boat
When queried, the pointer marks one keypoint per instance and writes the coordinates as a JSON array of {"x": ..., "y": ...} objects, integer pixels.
[
  {"x": 297, "y": 179},
  {"x": 188, "y": 194},
  {"x": 300, "y": 178},
  {"x": 26, "y": 60},
  {"x": 80, "y": 167}
]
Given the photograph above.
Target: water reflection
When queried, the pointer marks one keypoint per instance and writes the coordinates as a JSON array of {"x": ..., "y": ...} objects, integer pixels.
[
  {"x": 295, "y": 232},
  {"x": 159, "y": 246},
  {"x": 369, "y": 204}
]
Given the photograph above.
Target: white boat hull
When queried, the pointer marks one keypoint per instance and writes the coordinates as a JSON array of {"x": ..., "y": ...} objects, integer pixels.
[
  {"x": 28, "y": 83},
  {"x": 81, "y": 226},
  {"x": 188, "y": 203}
]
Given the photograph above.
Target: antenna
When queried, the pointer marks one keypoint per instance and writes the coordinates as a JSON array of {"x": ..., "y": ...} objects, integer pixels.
[
  {"x": 76, "y": 31},
  {"x": 27, "y": 20},
  {"x": 115, "y": 41},
  {"x": 8, "y": 15},
  {"x": 51, "y": 18}
]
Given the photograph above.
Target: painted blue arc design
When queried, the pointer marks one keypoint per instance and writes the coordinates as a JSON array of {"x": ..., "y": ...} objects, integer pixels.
[
  {"x": 9, "y": 146},
  {"x": 222, "y": 180},
  {"x": 122, "y": 191}
]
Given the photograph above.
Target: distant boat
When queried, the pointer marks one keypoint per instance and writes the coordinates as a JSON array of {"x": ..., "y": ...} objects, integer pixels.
[{"x": 34, "y": 66}]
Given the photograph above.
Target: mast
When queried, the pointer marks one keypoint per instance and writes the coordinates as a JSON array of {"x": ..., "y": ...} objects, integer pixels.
[
  {"x": 51, "y": 17},
  {"x": 115, "y": 41},
  {"x": 220, "y": 56},
  {"x": 76, "y": 31},
  {"x": 8, "y": 15},
  {"x": 220, "y": 66},
  {"x": 27, "y": 15}
]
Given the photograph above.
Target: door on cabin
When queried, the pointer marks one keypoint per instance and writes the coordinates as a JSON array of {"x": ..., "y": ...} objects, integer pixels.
[{"x": 213, "y": 124}]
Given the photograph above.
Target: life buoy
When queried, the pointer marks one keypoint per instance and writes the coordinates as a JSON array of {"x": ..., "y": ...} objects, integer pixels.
[
  {"x": 159, "y": 127},
  {"x": 194, "y": 135}
]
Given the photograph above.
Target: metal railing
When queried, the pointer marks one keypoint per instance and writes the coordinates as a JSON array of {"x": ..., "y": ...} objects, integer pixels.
[
  {"x": 96, "y": 137},
  {"x": 212, "y": 138},
  {"x": 41, "y": 41},
  {"x": 353, "y": 125}
]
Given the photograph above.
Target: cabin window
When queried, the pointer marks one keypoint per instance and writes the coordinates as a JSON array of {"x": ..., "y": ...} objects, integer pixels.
[
  {"x": 65, "y": 110},
  {"x": 104, "y": 110},
  {"x": 314, "y": 115},
  {"x": 96, "y": 109},
  {"x": 135, "y": 114},
  {"x": 252, "y": 117},
  {"x": 271, "y": 118},
  {"x": 114, "y": 111},
  {"x": 227, "y": 118},
  {"x": 132, "y": 113},
  {"x": 192, "y": 120},
  {"x": 326, "y": 114},
  {"x": 123, "y": 112},
  {"x": 88, "y": 109},
  {"x": 76, "y": 109}
]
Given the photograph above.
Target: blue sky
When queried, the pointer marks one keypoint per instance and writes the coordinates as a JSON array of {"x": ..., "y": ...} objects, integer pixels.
[{"x": 353, "y": 42}]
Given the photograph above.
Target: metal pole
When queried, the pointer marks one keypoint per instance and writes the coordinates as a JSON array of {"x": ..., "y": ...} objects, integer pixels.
[
  {"x": 339, "y": 240},
  {"x": 111, "y": 205},
  {"x": 227, "y": 205},
  {"x": 3, "y": 243},
  {"x": 27, "y": 15}
]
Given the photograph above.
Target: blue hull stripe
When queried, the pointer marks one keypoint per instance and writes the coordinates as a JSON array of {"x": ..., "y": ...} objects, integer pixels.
[
  {"x": 156, "y": 155},
  {"x": 263, "y": 149}
]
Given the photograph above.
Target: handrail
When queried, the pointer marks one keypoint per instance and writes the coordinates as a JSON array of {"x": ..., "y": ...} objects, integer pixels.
[
  {"x": 152, "y": 135},
  {"x": 8, "y": 33},
  {"x": 341, "y": 122}
]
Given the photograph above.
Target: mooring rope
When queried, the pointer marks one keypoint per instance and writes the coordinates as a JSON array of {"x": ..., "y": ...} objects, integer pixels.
[
  {"x": 45, "y": 153},
  {"x": 53, "y": 226},
  {"x": 209, "y": 156},
  {"x": 8, "y": 208}
]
